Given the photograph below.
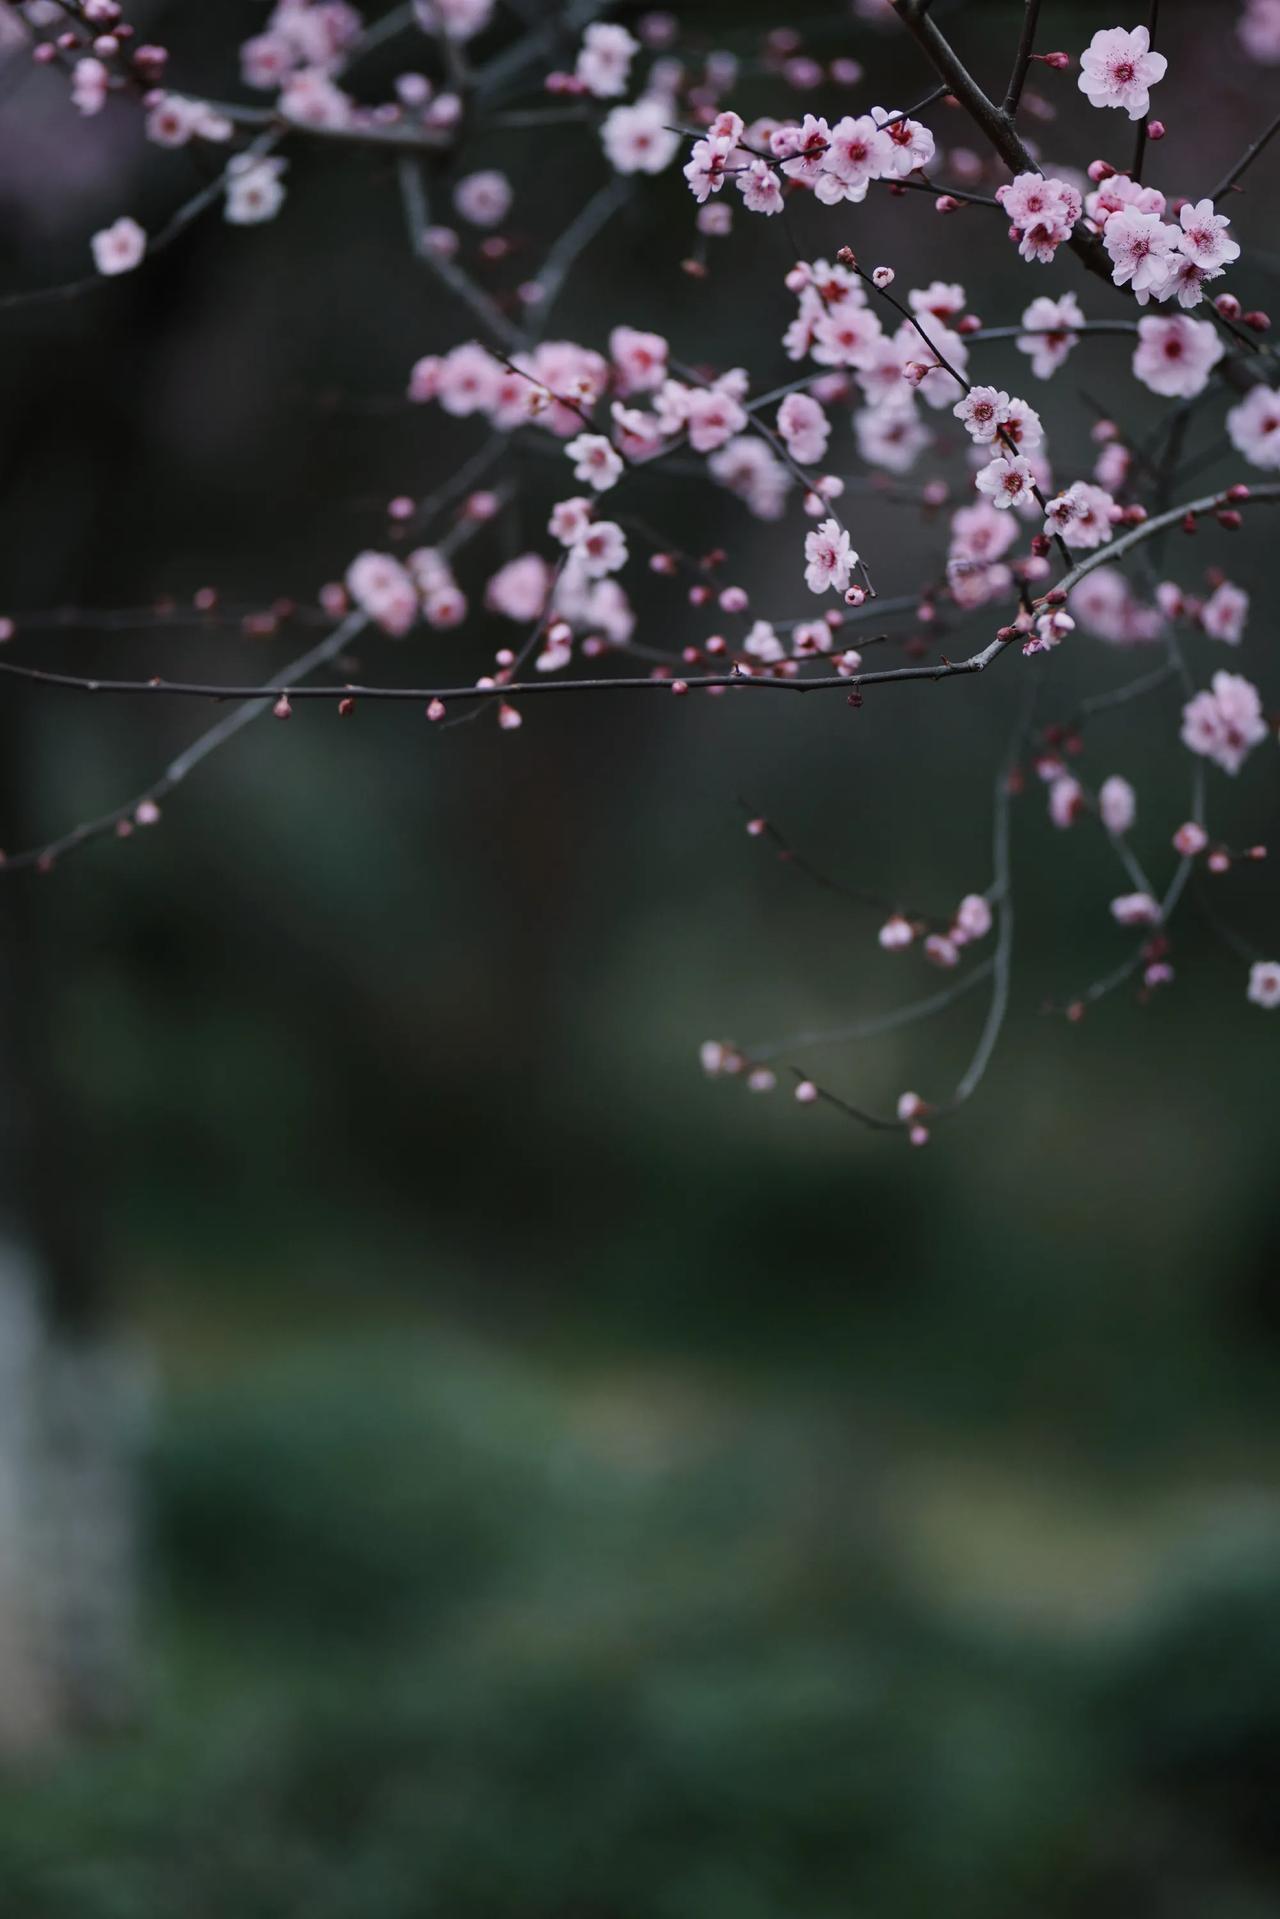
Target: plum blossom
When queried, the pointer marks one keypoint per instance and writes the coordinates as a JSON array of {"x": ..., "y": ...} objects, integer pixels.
[
  {"x": 639, "y": 359},
  {"x": 982, "y": 411},
  {"x": 890, "y": 437},
  {"x": 483, "y": 198},
  {"x": 1117, "y": 804},
  {"x": 1254, "y": 426},
  {"x": 1175, "y": 355},
  {"x": 1042, "y": 212},
  {"x": 706, "y": 168},
  {"x": 384, "y": 590},
  {"x": 255, "y": 191},
  {"x": 1066, "y": 800},
  {"x": 597, "y": 462},
  {"x": 1225, "y": 722},
  {"x": 858, "y": 153},
  {"x": 1007, "y": 482},
  {"x": 973, "y": 918},
  {"x": 89, "y": 83},
  {"x": 600, "y": 548},
  {"x": 604, "y": 60},
  {"x": 1118, "y": 69},
  {"x": 1141, "y": 247},
  {"x": 1105, "y": 606},
  {"x": 829, "y": 556},
  {"x": 1048, "y": 338},
  {"x": 760, "y": 188},
  {"x": 518, "y": 590},
  {"x": 804, "y": 427},
  {"x": 1224, "y": 613},
  {"x": 1259, "y": 31},
  {"x": 911, "y": 144},
  {"x": 120, "y": 247},
  {"x": 1135, "y": 909},
  {"x": 1264, "y": 984},
  {"x": 751, "y": 469},
  {"x": 1204, "y": 237},
  {"x": 1082, "y": 516},
  {"x": 637, "y": 139},
  {"x": 459, "y": 19}
]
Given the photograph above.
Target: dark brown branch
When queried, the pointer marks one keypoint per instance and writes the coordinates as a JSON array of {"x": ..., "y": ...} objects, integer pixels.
[
  {"x": 1246, "y": 160},
  {"x": 1022, "y": 59}
]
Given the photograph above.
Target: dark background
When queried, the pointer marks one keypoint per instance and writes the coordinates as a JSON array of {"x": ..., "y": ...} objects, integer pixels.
[{"x": 576, "y": 1488}]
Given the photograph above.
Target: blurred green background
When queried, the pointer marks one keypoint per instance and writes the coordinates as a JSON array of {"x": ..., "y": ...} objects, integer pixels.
[{"x": 574, "y": 1489}]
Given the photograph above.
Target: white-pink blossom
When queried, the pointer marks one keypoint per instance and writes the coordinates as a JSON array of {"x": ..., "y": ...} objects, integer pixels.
[
  {"x": 1007, "y": 482},
  {"x": 1224, "y": 613},
  {"x": 120, "y": 247},
  {"x": 1135, "y": 909},
  {"x": 1254, "y": 426},
  {"x": 638, "y": 138},
  {"x": 829, "y": 556},
  {"x": 1141, "y": 247},
  {"x": 597, "y": 462},
  {"x": 1175, "y": 356},
  {"x": 804, "y": 427},
  {"x": 1049, "y": 337},
  {"x": 1264, "y": 984},
  {"x": 1118, "y": 68},
  {"x": 1204, "y": 237},
  {"x": 1225, "y": 722},
  {"x": 600, "y": 548},
  {"x": 604, "y": 60},
  {"x": 384, "y": 590},
  {"x": 1117, "y": 804},
  {"x": 483, "y": 198}
]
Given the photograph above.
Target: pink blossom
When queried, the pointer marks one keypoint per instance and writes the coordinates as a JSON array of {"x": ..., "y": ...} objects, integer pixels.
[
  {"x": 637, "y": 138},
  {"x": 705, "y": 170},
  {"x": 857, "y": 154},
  {"x": 1104, "y": 604},
  {"x": 760, "y": 188},
  {"x": 749, "y": 468},
  {"x": 468, "y": 380},
  {"x": 460, "y": 19},
  {"x": 1049, "y": 338},
  {"x": 805, "y": 428},
  {"x": 911, "y": 145},
  {"x": 483, "y": 198},
  {"x": 896, "y": 933},
  {"x": 639, "y": 359},
  {"x": 1204, "y": 236},
  {"x": 1135, "y": 909},
  {"x": 1066, "y": 800},
  {"x": 1042, "y": 212},
  {"x": 604, "y": 60},
  {"x": 1254, "y": 427},
  {"x": 1118, "y": 68},
  {"x": 847, "y": 336},
  {"x": 312, "y": 99},
  {"x": 596, "y": 461},
  {"x": 1224, "y": 613},
  {"x": 1118, "y": 193},
  {"x": 255, "y": 190},
  {"x": 1225, "y": 723},
  {"x": 890, "y": 437},
  {"x": 1007, "y": 482},
  {"x": 1259, "y": 31},
  {"x": 981, "y": 534},
  {"x": 1083, "y": 516},
  {"x": 1141, "y": 247},
  {"x": 1190, "y": 839},
  {"x": 1021, "y": 424},
  {"x": 1175, "y": 355},
  {"x": 1117, "y": 804},
  {"x": 829, "y": 556},
  {"x": 982, "y": 410},
  {"x": 600, "y": 548},
  {"x": 384, "y": 590},
  {"x": 714, "y": 416},
  {"x": 120, "y": 247},
  {"x": 569, "y": 520},
  {"x": 973, "y": 917},
  {"x": 1264, "y": 984},
  {"x": 519, "y": 589},
  {"x": 89, "y": 83}
]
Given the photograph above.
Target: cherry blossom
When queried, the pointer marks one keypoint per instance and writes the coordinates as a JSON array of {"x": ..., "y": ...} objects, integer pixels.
[
  {"x": 600, "y": 548},
  {"x": 1118, "y": 69},
  {"x": 1190, "y": 839},
  {"x": 1264, "y": 984},
  {"x": 255, "y": 190},
  {"x": 89, "y": 84},
  {"x": 1135, "y": 909},
  {"x": 1042, "y": 211},
  {"x": 1259, "y": 30},
  {"x": 385, "y": 590},
  {"x": 1066, "y": 801},
  {"x": 1204, "y": 237},
  {"x": 973, "y": 918},
  {"x": 1224, "y": 723},
  {"x": 912, "y": 144},
  {"x": 858, "y": 153},
  {"x": 519, "y": 589},
  {"x": 459, "y": 19},
  {"x": 982, "y": 410},
  {"x": 1254, "y": 426},
  {"x": 120, "y": 247},
  {"x": 829, "y": 556},
  {"x": 1175, "y": 355}
]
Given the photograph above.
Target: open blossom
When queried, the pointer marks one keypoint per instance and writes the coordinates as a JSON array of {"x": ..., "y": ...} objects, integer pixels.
[
  {"x": 829, "y": 556},
  {"x": 1118, "y": 69},
  {"x": 1254, "y": 427},
  {"x": 846, "y": 336},
  {"x": 858, "y": 153},
  {"x": 1117, "y": 804},
  {"x": 383, "y": 589},
  {"x": 804, "y": 427},
  {"x": 1048, "y": 337},
  {"x": 637, "y": 138},
  {"x": 982, "y": 410},
  {"x": 597, "y": 462},
  {"x": 1105, "y": 606},
  {"x": 600, "y": 548},
  {"x": 1066, "y": 800},
  {"x": 1082, "y": 516},
  {"x": 1224, "y": 613},
  {"x": 705, "y": 170},
  {"x": 255, "y": 190},
  {"x": 120, "y": 247},
  {"x": 973, "y": 918},
  {"x": 639, "y": 359},
  {"x": 890, "y": 437},
  {"x": 483, "y": 198},
  {"x": 911, "y": 144},
  {"x": 1119, "y": 193},
  {"x": 712, "y": 416},
  {"x": 605, "y": 59},
  {"x": 89, "y": 81},
  {"x": 1007, "y": 482},
  {"x": 1204, "y": 237},
  {"x": 1264, "y": 984},
  {"x": 1042, "y": 213},
  {"x": 460, "y": 19},
  {"x": 760, "y": 188},
  {"x": 519, "y": 589},
  {"x": 1175, "y": 355},
  {"x": 1224, "y": 723},
  {"x": 1259, "y": 30},
  {"x": 1141, "y": 247}
]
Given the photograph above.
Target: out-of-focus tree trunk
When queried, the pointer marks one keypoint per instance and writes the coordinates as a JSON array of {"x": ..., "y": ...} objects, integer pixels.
[{"x": 70, "y": 1398}]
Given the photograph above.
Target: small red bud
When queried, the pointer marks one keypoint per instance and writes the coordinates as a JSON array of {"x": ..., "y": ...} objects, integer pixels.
[
  {"x": 1228, "y": 306},
  {"x": 1228, "y": 517},
  {"x": 282, "y": 709},
  {"x": 1155, "y": 129},
  {"x": 1238, "y": 492},
  {"x": 1259, "y": 321},
  {"x": 346, "y": 707}
]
